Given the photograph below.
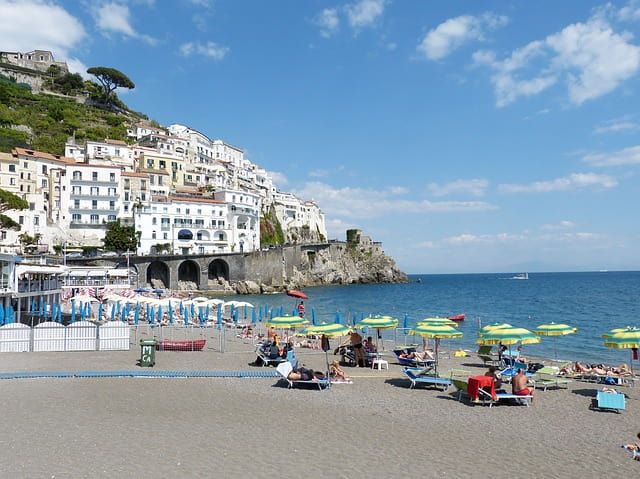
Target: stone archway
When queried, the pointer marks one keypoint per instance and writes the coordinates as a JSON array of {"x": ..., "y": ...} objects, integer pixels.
[
  {"x": 218, "y": 269},
  {"x": 158, "y": 275},
  {"x": 189, "y": 271}
]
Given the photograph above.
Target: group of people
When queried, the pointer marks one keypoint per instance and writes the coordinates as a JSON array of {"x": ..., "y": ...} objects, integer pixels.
[
  {"x": 599, "y": 369},
  {"x": 519, "y": 382}
]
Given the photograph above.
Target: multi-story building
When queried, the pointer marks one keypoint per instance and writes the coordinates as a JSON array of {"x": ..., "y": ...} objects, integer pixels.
[
  {"x": 304, "y": 218},
  {"x": 135, "y": 193},
  {"x": 243, "y": 217},
  {"x": 184, "y": 225},
  {"x": 108, "y": 152},
  {"x": 140, "y": 130}
]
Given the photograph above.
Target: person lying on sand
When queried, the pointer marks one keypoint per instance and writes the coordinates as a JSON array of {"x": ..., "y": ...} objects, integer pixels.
[
  {"x": 336, "y": 372},
  {"x": 635, "y": 448}
]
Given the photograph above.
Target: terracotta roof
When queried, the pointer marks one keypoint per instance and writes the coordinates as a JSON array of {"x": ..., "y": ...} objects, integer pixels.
[
  {"x": 42, "y": 155},
  {"x": 196, "y": 200},
  {"x": 135, "y": 173}
]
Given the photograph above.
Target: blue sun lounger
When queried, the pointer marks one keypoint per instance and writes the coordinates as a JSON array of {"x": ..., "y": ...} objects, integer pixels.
[
  {"x": 286, "y": 367},
  {"x": 413, "y": 374},
  {"x": 610, "y": 401},
  {"x": 487, "y": 398}
]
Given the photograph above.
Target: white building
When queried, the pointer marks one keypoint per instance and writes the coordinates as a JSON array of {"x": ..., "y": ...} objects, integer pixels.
[
  {"x": 108, "y": 152},
  {"x": 244, "y": 218},
  {"x": 298, "y": 217}
]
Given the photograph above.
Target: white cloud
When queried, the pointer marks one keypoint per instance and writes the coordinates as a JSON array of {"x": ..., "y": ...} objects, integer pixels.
[
  {"x": 617, "y": 125},
  {"x": 592, "y": 59},
  {"x": 371, "y": 203},
  {"x": 570, "y": 182},
  {"x": 475, "y": 187},
  {"x": 29, "y": 24},
  {"x": 453, "y": 33},
  {"x": 630, "y": 12},
  {"x": 209, "y": 49},
  {"x": 364, "y": 13},
  {"x": 565, "y": 224},
  {"x": 115, "y": 18},
  {"x": 328, "y": 22},
  {"x": 76, "y": 66},
  {"x": 627, "y": 156},
  {"x": 278, "y": 178},
  {"x": 318, "y": 173}
]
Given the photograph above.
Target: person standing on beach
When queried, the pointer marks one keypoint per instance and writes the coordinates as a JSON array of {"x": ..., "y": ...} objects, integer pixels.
[
  {"x": 301, "y": 309},
  {"x": 358, "y": 350}
]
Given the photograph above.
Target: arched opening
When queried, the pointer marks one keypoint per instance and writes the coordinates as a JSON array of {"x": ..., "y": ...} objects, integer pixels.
[
  {"x": 189, "y": 271},
  {"x": 202, "y": 235},
  {"x": 185, "y": 235},
  {"x": 218, "y": 269},
  {"x": 158, "y": 275}
]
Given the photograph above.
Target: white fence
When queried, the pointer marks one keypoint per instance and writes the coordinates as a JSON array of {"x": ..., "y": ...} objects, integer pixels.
[{"x": 78, "y": 336}]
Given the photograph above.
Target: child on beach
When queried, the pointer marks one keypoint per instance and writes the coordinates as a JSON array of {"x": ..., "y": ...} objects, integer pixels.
[{"x": 635, "y": 448}]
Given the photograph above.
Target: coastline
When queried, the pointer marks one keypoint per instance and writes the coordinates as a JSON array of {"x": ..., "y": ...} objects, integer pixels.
[{"x": 199, "y": 427}]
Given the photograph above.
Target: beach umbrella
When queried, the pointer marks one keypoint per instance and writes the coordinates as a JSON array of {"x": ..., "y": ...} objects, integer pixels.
[
  {"x": 405, "y": 322},
  {"x": 170, "y": 313},
  {"x": 113, "y": 311},
  {"x": 628, "y": 338},
  {"x": 438, "y": 332},
  {"x": 208, "y": 310},
  {"x": 60, "y": 313},
  {"x": 246, "y": 311},
  {"x": 1, "y": 314},
  {"x": 554, "y": 329},
  {"x": 159, "y": 313},
  {"x": 490, "y": 327},
  {"x": 186, "y": 316},
  {"x": 508, "y": 336},
  {"x": 338, "y": 318},
  {"x": 286, "y": 322},
  {"x": 297, "y": 294},
  {"x": 219, "y": 315},
  {"x": 73, "y": 310},
  {"x": 9, "y": 315},
  {"x": 440, "y": 321},
  {"x": 254, "y": 317},
  {"x": 377, "y": 322},
  {"x": 181, "y": 308},
  {"x": 136, "y": 314},
  {"x": 328, "y": 330}
]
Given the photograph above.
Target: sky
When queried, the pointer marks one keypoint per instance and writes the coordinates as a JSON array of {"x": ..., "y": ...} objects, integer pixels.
[{"x": 493, "y": 136}]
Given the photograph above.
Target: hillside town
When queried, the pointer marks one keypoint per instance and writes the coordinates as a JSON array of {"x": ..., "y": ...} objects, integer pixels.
[{"x": 183, "y": 192}]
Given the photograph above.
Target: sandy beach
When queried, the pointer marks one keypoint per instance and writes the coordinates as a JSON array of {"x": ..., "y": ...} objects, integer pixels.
[{"x": 222, "y": 427}]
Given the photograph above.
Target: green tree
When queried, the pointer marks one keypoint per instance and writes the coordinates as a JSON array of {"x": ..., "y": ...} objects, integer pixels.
[
  {"x": 110, "y": 79},
  {"x": 120, "y": 238},
  {"x": 9, "y": 201}
]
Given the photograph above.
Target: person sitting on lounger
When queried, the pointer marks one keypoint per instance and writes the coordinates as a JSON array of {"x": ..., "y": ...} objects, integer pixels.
[
  {"x": 369, "y": 346},
  {"x": 493, "y": 373},
  {"x": 520, "y": 384},
  {"x": 304, "y": 374},
  {"x": 424, "y": 355},
  {"x": 336, "y": 372}
]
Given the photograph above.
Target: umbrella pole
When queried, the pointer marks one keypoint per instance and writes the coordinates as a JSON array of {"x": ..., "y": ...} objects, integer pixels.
[{"x": 436, "y": 364}]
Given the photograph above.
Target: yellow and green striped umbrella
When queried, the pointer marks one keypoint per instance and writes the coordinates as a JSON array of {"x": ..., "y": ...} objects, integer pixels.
[
  {"x": 491, "y": 327},
  {"x": 441, "y": 321},
  {"x": 508, "y": 336},
  {"x": 553, "y": 329},
  {"x": 437, "y": 331},
  {"x": 286, "y": 322},
  {"x": 330, "y": 330},
  {"x": 614, "y": 331},
  {"x": 378, "y": 322},
  {"x": 628, "y": 338}
]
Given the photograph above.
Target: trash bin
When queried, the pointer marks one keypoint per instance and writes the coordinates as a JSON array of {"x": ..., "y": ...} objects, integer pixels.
[{"x": 147, "y": 352}]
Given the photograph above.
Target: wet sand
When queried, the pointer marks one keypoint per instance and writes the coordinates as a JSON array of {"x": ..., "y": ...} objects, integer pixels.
[{"x": 223, "y": 427}]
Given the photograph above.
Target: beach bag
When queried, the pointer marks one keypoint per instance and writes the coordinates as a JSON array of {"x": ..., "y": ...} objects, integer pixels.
[{"x": 533, "y": 367}]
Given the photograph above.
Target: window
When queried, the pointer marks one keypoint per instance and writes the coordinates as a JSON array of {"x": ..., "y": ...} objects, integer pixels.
[
  {"x": 3, "y": 235},
  {"x": 12, "y": 168},
  {"x": 76, "y": 190},
  {"x": 95, "y": 190},
  {"x": 159, "y": 180},
  {"x": 143, "y": 196},
  {"x": 154, "y": 221},
  {"x": 149, "y": 163},
  {"x": 187, "y": 211},
  {"x": 32, "y": 206},
  {"x": 111, "y": 192},
  {"x": 164, "y": 235},
  {"x": 162, "y": 164},
  {"x": 112, "y": 177},
  {"x": 143, "y": 184},
  {"x": 95, "y": 219},
  {"x": 153, "y": 235},
  {"x": 21, "y": 220},
  {"x": 112, "y": 205},
  {"x": 94, "y": 204},
  {"x": 77, "y": 175},
  {"x": 12, "y": 181},
  {"x": 126, "y": 196},
  {"x": 76, "y": 204},
  {"x": 36, "y": 220},
  {"x": 44, "y": 169},
  {"x": 76, "y": 218},
  {"x": 127, "y": 183},
  {"x": 44, "y": 182},
  {"x": 111, "y": 218},
  {"x": 94, "y": 176},
  {"x": 221, "y": 237},
  {"x": 201, "y": 249},
  {"x": 152, "y": 179}
]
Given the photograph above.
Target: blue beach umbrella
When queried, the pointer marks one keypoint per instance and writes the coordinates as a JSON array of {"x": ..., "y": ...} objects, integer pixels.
[
  {"x": 354, "y": 318},
  {"x": 152, "y": 317},
  {"x": 281, "y": 311},
  {"x": 206, "y": 312},
  {"x": 186, "y": 316},
  {"x": 181, "y": 308},
  {"x": 338, "y": 318},
  {"x": 313, "y": 316},
  {"x": 254, "y": 317},
  {"x": 73, "y": 311},
  {"x": 9, "y": 315},
  {"x": 148, "y": 312},
  {"x": 405, "y": 322},
  {"x": 1, "y": 314},
  {"x": 32, "y": 306},
  {"x": 219, "y": 314},
  {"x": 83, "y": 311},
  {"x": 246, "y": 311},
  {"x": 136, "y": 314},
  {"x": 89, "y": 310},
  {"x": 170, "y": 313},
  {"x": 193, "y": 310},
  {"x": 159, "y": 313},
  {"x": 271, "y": 314},
  {"x": 113, "y": 311},
  {"x": 235, "y": 316},
  {"x": 60, "y": 313},
  {"x": 45, "y": 313}
]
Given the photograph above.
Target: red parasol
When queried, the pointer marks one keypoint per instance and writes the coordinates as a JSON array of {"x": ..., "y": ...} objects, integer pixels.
[{"x": 297, "y": 294}]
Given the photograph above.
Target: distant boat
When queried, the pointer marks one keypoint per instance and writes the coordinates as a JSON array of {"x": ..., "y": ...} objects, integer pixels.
[
  {"x": 457, "y": 317},
  {"x": 521, "y": 276}
]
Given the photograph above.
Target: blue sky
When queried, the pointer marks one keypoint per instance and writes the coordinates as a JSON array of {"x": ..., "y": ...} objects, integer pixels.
[{"x": 495, "y": 136}]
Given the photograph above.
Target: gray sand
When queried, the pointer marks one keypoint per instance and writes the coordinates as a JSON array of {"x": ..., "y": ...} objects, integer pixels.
[{"x": 222, "y": 427}]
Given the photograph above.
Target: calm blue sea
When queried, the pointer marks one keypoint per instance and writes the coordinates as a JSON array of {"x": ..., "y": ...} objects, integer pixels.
[{"x": 594, "y": 302}]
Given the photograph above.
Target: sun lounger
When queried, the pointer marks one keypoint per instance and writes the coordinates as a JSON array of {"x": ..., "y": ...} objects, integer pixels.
[
  {"x": 484, "y": 354},
  {"x": 411, "y": 362},
  {"x": 461, "y": 387},
  {"x": 266, "y": 360},
  {"x": 486, "y": 397},
  {"x": 286, "y": 367},
  {"x": 607, "y": 400},
  {"x": 507, "y": 373},
  {"x": 549, "y": 377},
  {"x": 414, "y": 375}
]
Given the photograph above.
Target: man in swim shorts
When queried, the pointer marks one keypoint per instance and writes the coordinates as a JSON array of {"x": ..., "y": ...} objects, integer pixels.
[
  {"x": 358, "y": 350},
  {"x": 519, "y": 383}
]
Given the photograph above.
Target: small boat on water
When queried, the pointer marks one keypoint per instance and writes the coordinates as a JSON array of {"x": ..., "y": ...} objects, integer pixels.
[
  {"x": 457, "y": 317},
  {"x": 521, "y": 276},
  {"x": 181, "y": 344}
]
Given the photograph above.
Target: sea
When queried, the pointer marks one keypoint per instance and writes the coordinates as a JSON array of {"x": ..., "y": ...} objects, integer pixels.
[{"x": 593, "y": 302}]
